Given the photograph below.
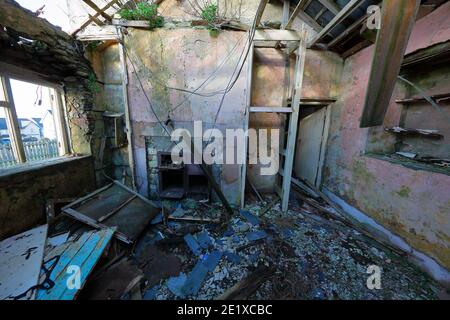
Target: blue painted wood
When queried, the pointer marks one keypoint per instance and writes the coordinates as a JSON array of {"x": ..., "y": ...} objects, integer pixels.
[{"x": 83, "y": 253}]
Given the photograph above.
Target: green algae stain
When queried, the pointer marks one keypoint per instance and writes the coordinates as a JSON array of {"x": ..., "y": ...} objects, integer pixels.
[{"x": 404, "y": 192}]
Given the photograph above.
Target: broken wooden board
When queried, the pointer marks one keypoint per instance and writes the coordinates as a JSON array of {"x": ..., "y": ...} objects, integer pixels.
[
  {"x": 70, "y": 264},
  {"x": 115, "y": 206},
  {"x": 20, "y": 263},
  {"x": 115, "y": 283}
]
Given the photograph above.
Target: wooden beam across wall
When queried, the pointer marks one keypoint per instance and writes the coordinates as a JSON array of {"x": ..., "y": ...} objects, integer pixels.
[
  {"x": 397, "y": 21},
  {"x": 339, "y": 18}
]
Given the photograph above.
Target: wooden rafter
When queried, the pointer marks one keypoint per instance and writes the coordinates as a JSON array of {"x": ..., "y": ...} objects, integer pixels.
[
  {"x": 95, "y": 16},
  {"x": 339, "y": 18},
  {"x": 330, "y": 5},
  {"x": 97, "y": 9},
  {"x": 299, "y": 8},
  {"x": 260, "y": 11}
]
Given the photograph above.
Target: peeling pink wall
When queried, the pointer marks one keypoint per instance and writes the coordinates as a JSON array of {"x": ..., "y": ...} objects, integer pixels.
[{"x": 414, "y": 204}]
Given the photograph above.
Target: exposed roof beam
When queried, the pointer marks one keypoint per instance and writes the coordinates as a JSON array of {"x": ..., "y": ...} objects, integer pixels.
[
  {"x": 84, "y": 25},
  {"x": 97, "y": 9},
  {"x": 320, "y": 13},
  {"x": 260, "y": 11},
  {"x": 357, "y": 24},
  {"x": 330, "y": 5},
  {"x": 340, "y": 17},
  {"x": 300, "y": 6}
]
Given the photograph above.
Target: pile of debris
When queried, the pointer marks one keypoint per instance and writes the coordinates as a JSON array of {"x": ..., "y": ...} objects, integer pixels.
[{"x": 114, "y": 244}]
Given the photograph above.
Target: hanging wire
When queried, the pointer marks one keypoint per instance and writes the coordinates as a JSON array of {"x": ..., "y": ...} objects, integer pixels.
[{"x": 426, "y": 97}]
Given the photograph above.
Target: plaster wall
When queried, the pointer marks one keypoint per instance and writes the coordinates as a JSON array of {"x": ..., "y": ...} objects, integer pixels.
[{"x": 415, "y": 204}]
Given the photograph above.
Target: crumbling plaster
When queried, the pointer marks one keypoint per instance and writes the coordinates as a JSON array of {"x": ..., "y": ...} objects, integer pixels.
[{"x": 414, "y": 204}]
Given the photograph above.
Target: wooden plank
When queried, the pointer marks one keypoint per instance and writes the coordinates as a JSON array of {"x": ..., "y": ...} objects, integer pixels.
[
  {"x": 293, "y": 123},
  {"x": 244, "y": 288},
  {"x": 343, "y": 14},
  {"x": 250, "y": 62},
  {"x": 20, "y": 263},
  {"x": 277, "y": 35},
  {"x": 83, "y": 253},
  {"x": 300, "y": 6},
  {"x": 131, "y": 23},
  {"x": 12, "y": 121},
  {"x": 398, "y": 19},
  {"x": 270, "y": 110},
  {"x": 95, "y": 33}
]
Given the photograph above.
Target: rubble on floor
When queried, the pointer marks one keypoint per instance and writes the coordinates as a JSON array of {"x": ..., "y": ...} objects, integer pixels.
[{"x": 190, "y": 251}]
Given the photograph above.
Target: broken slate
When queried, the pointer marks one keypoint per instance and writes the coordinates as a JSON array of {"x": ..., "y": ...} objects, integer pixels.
[
  {"x": 204, "y": 240},
  {"x": 250, "y": 217},
  {"x": 193, "y": 244},
  {"x": 211, "y": 260},
  {"x": 175, "y": 284},
  {"x": 195, "y": 279},
  {"x": 256, "y": 235}
]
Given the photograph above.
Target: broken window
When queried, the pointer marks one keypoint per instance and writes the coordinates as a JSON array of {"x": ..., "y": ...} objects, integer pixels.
[{"x": 32, "y": 124}]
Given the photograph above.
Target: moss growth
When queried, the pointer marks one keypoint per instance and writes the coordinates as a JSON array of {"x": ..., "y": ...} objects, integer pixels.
[
  {"x": 93, "y": 84},
  {"x": 404, "y": 192},
  {"x": 146, "y": 12}
]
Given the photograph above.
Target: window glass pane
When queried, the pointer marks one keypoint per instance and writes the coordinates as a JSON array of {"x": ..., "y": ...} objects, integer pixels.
[
  {"x": 7, "y": 158},
  {"x": 36, "y": 120}
]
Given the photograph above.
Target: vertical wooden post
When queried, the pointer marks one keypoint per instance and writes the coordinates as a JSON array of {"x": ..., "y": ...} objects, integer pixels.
[
  {"x": 247, "y": 120},
  {"x": 127, "y": 109},
  {"x": 293, "y": 123},
  {"x": 13, "y": 122}
]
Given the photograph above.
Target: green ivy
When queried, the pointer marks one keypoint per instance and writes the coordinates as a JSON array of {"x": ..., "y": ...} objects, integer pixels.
[{"x": 144, "y": 11}]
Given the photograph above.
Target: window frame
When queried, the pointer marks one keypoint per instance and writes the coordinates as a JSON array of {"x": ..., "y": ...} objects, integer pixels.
[{"x": 12, "y": 120}]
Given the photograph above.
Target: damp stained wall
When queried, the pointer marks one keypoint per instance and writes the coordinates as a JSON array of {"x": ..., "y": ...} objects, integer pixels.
[
  {"x": 24, "y": 191},
  {"x": 415, "y": 204},
  {"x": 182, "y": 58}
]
